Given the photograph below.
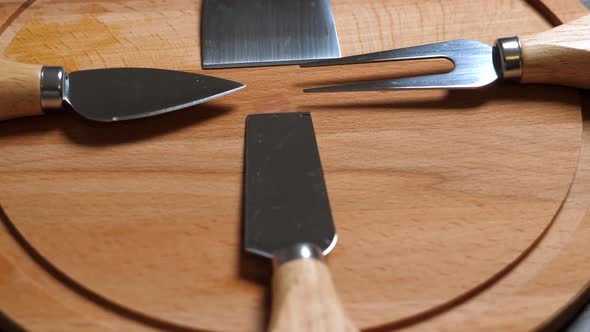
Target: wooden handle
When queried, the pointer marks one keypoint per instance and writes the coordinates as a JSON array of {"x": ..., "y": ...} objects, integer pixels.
[
  {"x": 559, "y": 56},
  {"x": 304, "y": 299},
  {"x": 20, "y": 90}
]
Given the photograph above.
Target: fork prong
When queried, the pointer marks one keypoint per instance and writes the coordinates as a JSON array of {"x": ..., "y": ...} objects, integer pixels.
[
  {"x": 473, "y": 67},
  {"x": 428, "y": 51},
  {"x": 438, "y": 81}
]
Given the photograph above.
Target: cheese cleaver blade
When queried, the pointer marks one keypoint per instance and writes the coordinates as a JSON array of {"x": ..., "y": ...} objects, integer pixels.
[
  {"x": 288, "y": 219},
  {"x": 103, "y": 94},
  {"x": 242, "y": 33}
]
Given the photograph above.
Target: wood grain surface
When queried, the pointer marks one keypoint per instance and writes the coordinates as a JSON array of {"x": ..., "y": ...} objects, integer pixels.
[
  {"x": 545, "y": 291},
  {"x": 434, "y": 194},
  {"x": 559, "y": 11}
]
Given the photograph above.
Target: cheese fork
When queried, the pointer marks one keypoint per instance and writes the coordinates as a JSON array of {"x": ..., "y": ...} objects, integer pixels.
[{"x": 560, "y": 56}]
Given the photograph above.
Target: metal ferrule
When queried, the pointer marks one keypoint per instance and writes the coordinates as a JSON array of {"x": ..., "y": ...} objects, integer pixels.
[
  {"x": 53, "y": 87},
  {"x": 298, "y": 251},
  {"x": 510, "y": 58}
]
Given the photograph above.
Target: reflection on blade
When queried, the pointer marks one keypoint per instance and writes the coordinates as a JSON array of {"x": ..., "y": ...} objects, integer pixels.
[
  {"x": 243, "y": 33},
  {"x": 131, "y": 93}
]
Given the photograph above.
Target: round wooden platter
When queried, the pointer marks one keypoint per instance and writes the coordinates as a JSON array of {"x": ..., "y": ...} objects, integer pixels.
[{"x": 434, "y": 194}]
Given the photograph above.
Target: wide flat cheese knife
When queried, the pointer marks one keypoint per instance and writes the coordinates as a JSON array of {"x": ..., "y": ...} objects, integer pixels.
[
  {"x": 103, "y": 94},
  {"x": 266, "y": 32},
  {"x": 288, "y": 219}
]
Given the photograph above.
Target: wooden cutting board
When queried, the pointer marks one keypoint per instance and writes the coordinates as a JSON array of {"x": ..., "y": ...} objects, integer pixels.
[{"x": 435, "y": 194}]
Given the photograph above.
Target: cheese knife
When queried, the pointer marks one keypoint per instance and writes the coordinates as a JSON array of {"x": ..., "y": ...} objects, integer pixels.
[
  {"x": 288, "y": 219},
  {"x": 103, "y": 94},
  {"x": 249, "y": 33}
]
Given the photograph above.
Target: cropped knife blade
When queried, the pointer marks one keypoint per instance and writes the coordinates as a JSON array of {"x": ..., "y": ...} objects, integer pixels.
[
  {"x": 288, "y": 218},
  {"x": 103, "y": 94}
]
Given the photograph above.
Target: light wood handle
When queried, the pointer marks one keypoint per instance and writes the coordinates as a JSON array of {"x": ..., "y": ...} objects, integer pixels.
[
  {"x": 559, "y": 56},
  {"x": 20, "y": 90},
  {"x": 304, "y": 299}
]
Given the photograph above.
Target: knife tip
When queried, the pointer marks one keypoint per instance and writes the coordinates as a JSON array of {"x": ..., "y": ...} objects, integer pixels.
[{"x": 321, "y": 89}]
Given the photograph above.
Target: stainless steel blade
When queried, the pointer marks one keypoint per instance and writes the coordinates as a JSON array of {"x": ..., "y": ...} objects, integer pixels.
[
  {"x": 286, "y": 202},
  {"x": 473, "y": 67},
  {"x": 266, "y": 32},
  {"x": 131, "y": 93}
]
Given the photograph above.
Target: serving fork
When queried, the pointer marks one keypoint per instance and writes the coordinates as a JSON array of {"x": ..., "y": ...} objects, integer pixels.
[{"x": 560, "y": 56}]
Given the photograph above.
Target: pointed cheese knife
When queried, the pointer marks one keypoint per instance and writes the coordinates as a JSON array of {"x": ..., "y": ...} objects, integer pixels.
[
  {"x": 103, "y": 94},
  {"x": 288, "y": 219}
]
